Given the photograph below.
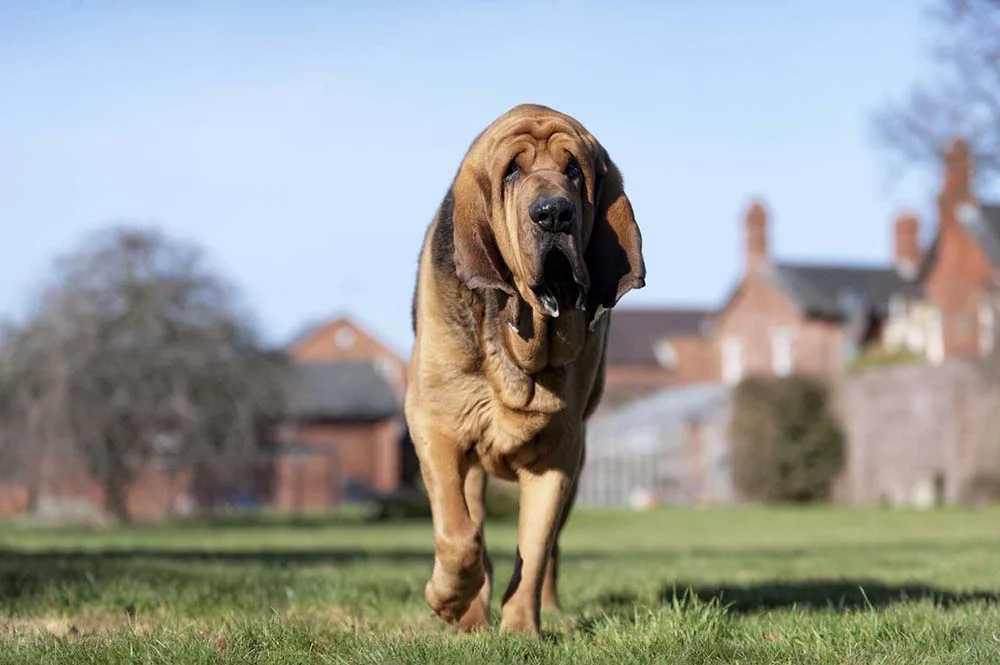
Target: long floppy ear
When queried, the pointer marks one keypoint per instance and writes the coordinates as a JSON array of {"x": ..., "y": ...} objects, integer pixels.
[
  {"x": 478, "y": 262},
  {"x": 614, "y": 252}
]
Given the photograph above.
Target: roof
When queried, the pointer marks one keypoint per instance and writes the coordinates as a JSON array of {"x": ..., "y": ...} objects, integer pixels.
[
  {"x": 634, "y": 332},
  {"x": 985, "y": 228},
  {"x": 341, "y": 391},
  {"x": 313, "y": 329},
  {"x": 836, "y": 290}
]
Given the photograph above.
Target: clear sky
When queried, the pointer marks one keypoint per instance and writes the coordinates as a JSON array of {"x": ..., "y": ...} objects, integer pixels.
[{"x": 306, "y": 144}]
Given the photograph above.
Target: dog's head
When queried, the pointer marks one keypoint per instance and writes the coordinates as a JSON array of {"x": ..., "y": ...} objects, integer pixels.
[{"x": 540, "y": 212}]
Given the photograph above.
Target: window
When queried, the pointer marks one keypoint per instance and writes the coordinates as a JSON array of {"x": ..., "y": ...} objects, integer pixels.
[
  {"x": 732, "y": 360},
  {"x": 783, "y": 351},
  {"x": 666, "y": 354},
  {"x": 935, "y": 337},
  {"x": 987, "y": 333}
]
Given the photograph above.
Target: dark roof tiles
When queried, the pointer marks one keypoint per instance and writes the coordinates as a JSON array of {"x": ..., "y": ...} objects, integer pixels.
[
  {"x": 341, "y": 391},
  {"x": 835, "y": 291},
  {"x": 635, "y": 332}
]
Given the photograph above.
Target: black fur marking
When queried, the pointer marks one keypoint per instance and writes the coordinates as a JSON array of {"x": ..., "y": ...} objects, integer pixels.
[
  {"x": 442, "y": 249},
  {"x": 443, "y": 238}
]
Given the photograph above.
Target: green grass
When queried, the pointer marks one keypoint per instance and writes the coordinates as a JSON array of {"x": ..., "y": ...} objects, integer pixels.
[{"x": 741, "y": 586}]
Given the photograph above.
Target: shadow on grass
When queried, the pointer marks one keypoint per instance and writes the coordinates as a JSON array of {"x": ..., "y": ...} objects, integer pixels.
[
  {"x": 836, "y": 595},
  {"x": 26, "y": 573}
]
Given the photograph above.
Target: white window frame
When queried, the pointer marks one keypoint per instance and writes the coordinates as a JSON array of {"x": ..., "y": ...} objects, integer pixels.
[
  {"x": 732, "y": 359},
  {"x": 987, "y": 327},
  {"x": 783, "y": 351},
  {"x": 935, "y": 337}
]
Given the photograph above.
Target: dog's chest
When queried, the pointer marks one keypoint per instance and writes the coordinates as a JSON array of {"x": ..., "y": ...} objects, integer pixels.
[{"x": 512, "y": 440}]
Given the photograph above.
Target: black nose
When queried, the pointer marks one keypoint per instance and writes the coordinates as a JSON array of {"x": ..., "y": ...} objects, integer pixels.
[{"x": 553, "y": 213}]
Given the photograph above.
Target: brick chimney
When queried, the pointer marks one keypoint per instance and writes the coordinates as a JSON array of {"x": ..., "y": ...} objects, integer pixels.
[
  {"x": 957, "y": 186},
  {"x": 906, "y": 245},
  {"x": 756, "y": 236}
]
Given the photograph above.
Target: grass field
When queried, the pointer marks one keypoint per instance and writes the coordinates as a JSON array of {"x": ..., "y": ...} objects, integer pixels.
[{"x": 741, "y": 586}]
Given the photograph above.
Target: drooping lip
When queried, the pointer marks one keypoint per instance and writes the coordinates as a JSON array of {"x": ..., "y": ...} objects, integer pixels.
[{"x": 555, "y": 288}]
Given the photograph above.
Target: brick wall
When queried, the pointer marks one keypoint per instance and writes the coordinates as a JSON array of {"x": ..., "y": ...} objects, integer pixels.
[
  {"x": 757, "y": 311},
  {"x": 13, "y": 499},
  {"x": 961, "y": 272},
  {"x": 65, "y": 488},
  {"x": 305, "y": 482},
  {"x": 368, "y": 452},
  {"x": 912, "y": 426}
]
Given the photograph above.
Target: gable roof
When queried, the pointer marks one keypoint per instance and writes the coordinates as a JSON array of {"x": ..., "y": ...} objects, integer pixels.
[
  {"x": 634, "y": 332},
  {"x": 341, "y": 391},
  {"x": 985, "y": 228},
  {"x": 836, "y": 291},
  {"x": 314, "y": 332}
]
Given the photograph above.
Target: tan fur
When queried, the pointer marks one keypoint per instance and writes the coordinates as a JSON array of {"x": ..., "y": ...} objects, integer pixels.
[{"x": 496, "y": 386}]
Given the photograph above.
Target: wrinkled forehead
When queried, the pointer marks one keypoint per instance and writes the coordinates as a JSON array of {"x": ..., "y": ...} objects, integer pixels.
[{"x": 545, "y": 136}]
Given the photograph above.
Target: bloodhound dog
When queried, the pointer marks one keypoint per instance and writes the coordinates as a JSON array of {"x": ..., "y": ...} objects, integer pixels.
[{"x": 532, "y": 245}]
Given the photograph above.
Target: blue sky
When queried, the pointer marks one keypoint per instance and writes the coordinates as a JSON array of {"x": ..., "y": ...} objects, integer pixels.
[{"x": 306, "y": 144}]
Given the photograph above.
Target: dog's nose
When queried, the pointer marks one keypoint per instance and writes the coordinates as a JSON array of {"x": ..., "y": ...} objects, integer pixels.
[{"x": 553, "y": 213}]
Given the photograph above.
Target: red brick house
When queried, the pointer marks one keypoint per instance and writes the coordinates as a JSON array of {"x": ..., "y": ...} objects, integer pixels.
[
  {"x": 787, "y": 317},
  {"x": 940, "y": 303},
  {"x": 960, "y": 269},
  {"x": 345, "y": 436}
]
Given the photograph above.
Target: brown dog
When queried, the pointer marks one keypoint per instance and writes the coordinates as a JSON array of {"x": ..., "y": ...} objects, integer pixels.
[{"x": 531, "y": 246}]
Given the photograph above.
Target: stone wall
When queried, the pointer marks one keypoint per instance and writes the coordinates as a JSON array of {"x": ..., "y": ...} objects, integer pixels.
[{"x": 917, "y": 434}]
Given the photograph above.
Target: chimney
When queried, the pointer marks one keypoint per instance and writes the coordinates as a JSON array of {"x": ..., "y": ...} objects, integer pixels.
[
  {"x": 756, "y": 236},
  {"x": 957, "y": 186},
  {"x": 906, "y": 245}
]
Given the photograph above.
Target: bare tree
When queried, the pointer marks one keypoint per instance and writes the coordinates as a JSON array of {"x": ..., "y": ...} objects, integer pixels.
[
  {"x": 136, "y": 351},
  {"x": 961, "y": 100}
]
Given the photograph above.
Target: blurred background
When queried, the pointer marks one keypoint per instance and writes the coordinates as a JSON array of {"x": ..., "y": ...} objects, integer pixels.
[{"x": 210, "y": 215}]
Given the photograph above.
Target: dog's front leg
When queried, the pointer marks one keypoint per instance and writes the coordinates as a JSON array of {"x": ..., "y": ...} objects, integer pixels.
[
  {"x": 544, "y": 492},
  {"x": 478, "y": 615},
  {"x": 458, "y": 544}
]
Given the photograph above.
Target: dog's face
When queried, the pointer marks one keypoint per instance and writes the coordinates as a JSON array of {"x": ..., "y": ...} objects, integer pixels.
[{"x": 540, "y": 212}]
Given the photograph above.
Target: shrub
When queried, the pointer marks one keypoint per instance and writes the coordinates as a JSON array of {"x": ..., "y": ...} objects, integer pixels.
[{"x": 786, "y": 445}]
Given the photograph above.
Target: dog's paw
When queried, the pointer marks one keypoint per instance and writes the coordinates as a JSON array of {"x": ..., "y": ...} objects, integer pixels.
[
  {"x": 519, "y": 619},
  {"x": 450, "y": 596}
]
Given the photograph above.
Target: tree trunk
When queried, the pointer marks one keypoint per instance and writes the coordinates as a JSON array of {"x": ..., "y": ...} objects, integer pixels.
[{"x": 116, "y": 485}]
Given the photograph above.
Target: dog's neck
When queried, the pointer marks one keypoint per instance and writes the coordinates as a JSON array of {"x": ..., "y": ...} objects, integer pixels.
[{"x": 527, "y": 353}]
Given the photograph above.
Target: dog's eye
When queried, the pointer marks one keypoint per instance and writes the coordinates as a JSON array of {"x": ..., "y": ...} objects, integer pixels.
[
  {"x": 513, "y": 170},
  {"x": 573, "y": 171}
]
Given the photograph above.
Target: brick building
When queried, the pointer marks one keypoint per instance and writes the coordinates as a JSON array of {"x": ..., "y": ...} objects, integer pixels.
[
  {"x": 783, "y": 317},
  {"x": 787, "y": 317},
  {"x": 959, "y": 271},
  {"x": 654, "y": 348},
  {"x": 345, "y": 437}
]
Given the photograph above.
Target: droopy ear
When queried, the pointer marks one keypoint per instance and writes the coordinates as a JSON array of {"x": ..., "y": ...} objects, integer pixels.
[
  {"x": 614, "y": 252},
  {"x": 478, "y": 262}
]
